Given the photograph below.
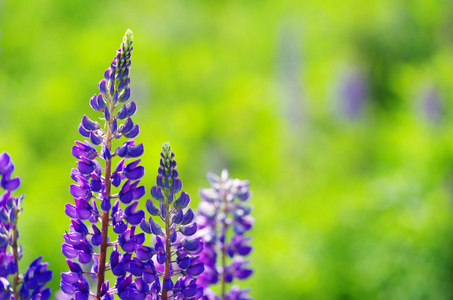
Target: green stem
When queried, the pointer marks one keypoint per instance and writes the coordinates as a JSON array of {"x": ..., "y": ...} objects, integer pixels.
[
  {"x": 105, "y": 215},
  {"x": 223, "y": 250},
  {"x": 16, "y": 257},
  {"x": 167, "y": 250}
]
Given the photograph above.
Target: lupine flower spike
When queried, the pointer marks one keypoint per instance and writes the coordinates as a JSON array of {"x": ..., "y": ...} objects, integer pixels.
[
  {"x": 30, "y": 285},
  {"x": 223, "y": 219},
  {"x": 88, "y": 243},
  {"x": 177, "y": 261}
]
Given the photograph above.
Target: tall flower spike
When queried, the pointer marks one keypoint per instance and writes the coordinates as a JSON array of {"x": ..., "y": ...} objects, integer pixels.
[
  {"x": 176, "y": 251},
  {"x": 223, "y": 219},
  {"x": 30, "y": 285},
  {"x": 88, "y": 241}
]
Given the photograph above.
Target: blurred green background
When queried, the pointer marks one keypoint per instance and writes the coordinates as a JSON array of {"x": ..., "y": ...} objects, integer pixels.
[{"x": 339, "y": 114}]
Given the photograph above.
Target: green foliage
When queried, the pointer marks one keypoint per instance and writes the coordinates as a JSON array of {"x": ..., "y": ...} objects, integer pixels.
[{"x": 345, "y": 209}]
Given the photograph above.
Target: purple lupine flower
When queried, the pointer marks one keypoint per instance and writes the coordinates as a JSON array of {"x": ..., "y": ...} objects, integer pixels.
[
  {"x": 96, "y": 176},
  {"x": 36, "y": 276},
  {"x": 431, "y": 105},
  {"x": 176, "y": 251},
  {"x": 353, "y": 94},
  {"x": 223, "y": 219}
]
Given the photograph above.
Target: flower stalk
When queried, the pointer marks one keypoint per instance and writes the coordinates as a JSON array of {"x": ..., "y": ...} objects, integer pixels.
[
  {"x": 14, "y": 247},
  {"x": 178, "y": 274},
  {"x": 223, "y": 211},
  {"x": 105, "y": 215},
  {"x": 96, "y": 178},
  {"x": 32, "y": 284}
]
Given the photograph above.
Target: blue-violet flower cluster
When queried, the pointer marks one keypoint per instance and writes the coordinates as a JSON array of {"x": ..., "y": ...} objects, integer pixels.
[
  {"x": 108, "y": 231},
  {"x": 13, "y": 285},
  {"x": 176, "y": 252},
  {"x": 223, "y": 219},
  {"x": 88, "y": 242}
]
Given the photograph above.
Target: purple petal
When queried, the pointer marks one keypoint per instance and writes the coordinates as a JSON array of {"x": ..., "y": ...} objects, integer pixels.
[
  {"x": 96, "y": 240},
  {"x": 190, "y": 291},
  {"x": 95, "y": 140},
  {"x": 45, "y": 276},
  {"x": 85, "y": 168},
  {"x": 106, "y": 153},
  {"x": 114, "y": 125},
  {"x": 115, "y": 97},
  {"x": 131, "y": 109},
  {"x": 78, "y": 191},
  {"x": 168, "y": 285},
  {"x": 94, "y": 103},
  {"x": 126, "y": 95},
  {"x": 107, "y": 74},
  {"x": 116, "y": 180},
  {"x": 191, "y": 245},
  {"x": 11, "y": 185},
  {"x": 176, "y": 186},
  {"x": 145, "y": 226},
  {"x": 136, "y": 268},
  {"x": 129, "y": 246},
  {"x": 67, "y": 288},
  {"x": 144, "y": 253},
  {"x": 107, "y": 113},
  {"x": 119, "y": 269},
  {"x": 184, "y": 263},
  {"x": 103, "y": 86},
  {"x": 189, "y": 230},
  {"x": 122, "y": 151},
  {"x": 148, "y": 277},
  {"x": 151, "y": 208},
  {"x": 122, "y": 113},
  {"x": 133, "y": 133},
  {"x": 73, "y": 266},
  {"x": 178, "y": 217},
  {"x": 131, "y": 209},
  {"x": 139, "y": 192},
  {"x": 119, "y": 227},
  {"x": 243, "y": 274},
  {"x": 70, "y": 277},
  {"x": 101, "y": 102},
  {"x": 135, "y": 151},
  {"x": 136, "y": 218},
  {"x": 136, "y": 173},
  {"x": 127, "y": 197},
  {"x": 182, "y": 201},
  {"x": 155, "y": 228},
  {"x": 5, "y": 159},
  {"x": 69, "y": 251},
  {"x": 139, "y": 238},
  {"x": 188, "y": 217},
  {"x": 196, "y": 269},
  {"x": 96, "y": 184},
  {"x": 70, "y": 210},
  {"x": 89, "y": 124},
  {"x": 105, "y": 204},
  {"x": 127, "y": 126},
  {"x": 83, "y": 132},
  {"x": 156, "y": 193}
]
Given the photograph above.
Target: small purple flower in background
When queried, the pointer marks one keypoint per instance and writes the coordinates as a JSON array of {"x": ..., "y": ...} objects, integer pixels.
[
  {"x": 87, "y": 241},
  {"x": 431, "y": 105},
  {"x": 353, "y": 93},
  {"x": 223, "y": 219},
  {"x": 176, "y": 251},
  {"x": 32, "y": 283}
]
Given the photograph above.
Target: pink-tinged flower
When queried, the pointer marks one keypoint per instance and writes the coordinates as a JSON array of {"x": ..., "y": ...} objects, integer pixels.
[{"x": 223, "y": 219}]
